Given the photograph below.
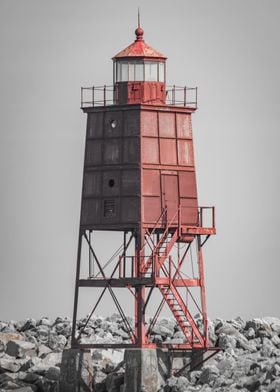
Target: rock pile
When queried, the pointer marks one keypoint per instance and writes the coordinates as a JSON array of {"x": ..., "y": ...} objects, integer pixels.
[{"x": 31, "y": 351}]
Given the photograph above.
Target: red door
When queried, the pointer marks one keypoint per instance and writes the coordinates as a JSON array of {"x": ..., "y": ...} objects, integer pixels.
[{"x": 170, "y": 195}]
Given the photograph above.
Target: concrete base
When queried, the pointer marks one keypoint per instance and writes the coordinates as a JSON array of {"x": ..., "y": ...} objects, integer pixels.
[
  {"x": 76, "y": 371},
  {"x": 145, "y": 370},
  {"x": 196, "y": 359}
]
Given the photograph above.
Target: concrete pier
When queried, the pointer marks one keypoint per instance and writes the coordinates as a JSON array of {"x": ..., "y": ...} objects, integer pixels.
[
  {"x": 145, "y": 370},
  {"x": 76, "y": 371}
]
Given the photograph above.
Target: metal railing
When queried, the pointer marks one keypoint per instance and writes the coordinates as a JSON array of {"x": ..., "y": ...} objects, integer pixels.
[
  {"x": 108, "y": 95},
  {"x": 128, "y": 265},
  {"x": 181, "y": 96},
  {"x": 98, "y": 96}
]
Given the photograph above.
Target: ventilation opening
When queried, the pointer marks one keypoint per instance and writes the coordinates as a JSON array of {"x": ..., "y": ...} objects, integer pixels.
[
  {"x": 109, "y": 208},
  {"x": 113, "y": 124},
  {"x": 111, "y": 183}
]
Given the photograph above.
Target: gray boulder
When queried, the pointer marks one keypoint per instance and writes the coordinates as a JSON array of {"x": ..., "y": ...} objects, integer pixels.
[
  {"x": 42, "y": 333},
  {"x": 11, "y": 364},
  {"x": 227, "y": 329},
  {"x": 114, "y": 381},
  {"x": 29, "y": 324},
  {"x": 274, "y": 323},
  {"x": 56, "y": 342},
  {"x": 276, "y": 340},
  {"x": 99, "y": 381},
  {"x": 268, "y": 348},
  {"x": 53, "y": 373},
  {"x": 9, "y": 327},
  {"x": 242, "y": 342},
  {"x": 43, "y": 350},
  {"x": 64, "y": 328},
  {"x": 182, "y": 384},
  {"x": 208, "y": 374},
  {"x": 165, "y": 330},
  {"x": 251, "y": 383},
  {"x": 45, "y": 321},
  {"x": 226, "y": 341},
  {"x": 250, "y": 333},
  {"x": 20, "y": 349},
  {"x": 6, "y": 337}
]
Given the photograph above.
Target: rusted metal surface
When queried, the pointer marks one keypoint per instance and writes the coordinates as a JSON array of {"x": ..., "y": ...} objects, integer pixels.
[
  {"x": 117, "y": 142},
  {"x": 139, "y": 178},
  {"x": 139, "y": 48}
]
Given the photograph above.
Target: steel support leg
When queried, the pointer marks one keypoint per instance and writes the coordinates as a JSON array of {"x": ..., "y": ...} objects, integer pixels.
[{"x": 202, "y": 287}]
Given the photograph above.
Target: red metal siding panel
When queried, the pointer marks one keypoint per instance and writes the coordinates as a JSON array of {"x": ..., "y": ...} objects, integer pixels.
[
  {"x": 135, "y": 92},
  {"x": 189, "y": 212},
  {"x": 170, "y": 194},
  {"x": 151, "y": 182},
  {"x": 149, "y": 126},
  {"x": 168, "y": 153},
  {"x": 184, "y": 126},
  {"x": 185, "y": 152},
  {"x": 150, "y": 150},
  {"x": 187, "y": 184},
  {"x": 166, "y": 124},
  {"x": 151, "y": 209}
]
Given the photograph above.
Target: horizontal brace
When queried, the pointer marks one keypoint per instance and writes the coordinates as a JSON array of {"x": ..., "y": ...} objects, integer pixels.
[
  {"x": 120, "y": 282},
  {"x": 169, "y": 346},
  {"x": 197, "y": 230},
  {"x": 179, "y": 282},
  {"x": 167, "y": 167}
]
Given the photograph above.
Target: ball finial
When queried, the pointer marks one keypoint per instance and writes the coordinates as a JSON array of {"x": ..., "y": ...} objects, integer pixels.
[{"x": 139, "y": 33}]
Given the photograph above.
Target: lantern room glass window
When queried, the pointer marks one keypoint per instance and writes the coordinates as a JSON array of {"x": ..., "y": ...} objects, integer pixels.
[
  {"x": 161, "y": 72},
  {"x": 150, "y": 71}
]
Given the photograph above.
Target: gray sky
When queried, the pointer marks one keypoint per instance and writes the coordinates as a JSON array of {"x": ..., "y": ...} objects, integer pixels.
[{"x": 229, "y": 49}]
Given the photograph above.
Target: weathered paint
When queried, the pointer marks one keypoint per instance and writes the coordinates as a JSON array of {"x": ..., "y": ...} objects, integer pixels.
[
  {"x": 139, "y": 49},
  {"x": 144, "y": 159},
  {"x": 139, "y": 178}
]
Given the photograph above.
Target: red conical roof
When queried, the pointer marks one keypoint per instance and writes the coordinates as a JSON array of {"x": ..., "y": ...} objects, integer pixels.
[{"x": 139, "y": 48}]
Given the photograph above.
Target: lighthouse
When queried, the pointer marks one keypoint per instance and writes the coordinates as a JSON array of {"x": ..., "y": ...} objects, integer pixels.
[{"x": 139, "y": 179}]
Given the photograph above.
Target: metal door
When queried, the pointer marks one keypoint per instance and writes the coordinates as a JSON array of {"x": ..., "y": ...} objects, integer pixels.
[{"x": 170, "y": 195}]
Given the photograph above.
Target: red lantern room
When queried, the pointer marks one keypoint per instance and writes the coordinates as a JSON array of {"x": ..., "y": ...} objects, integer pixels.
[{"x": 139, "y": 73}]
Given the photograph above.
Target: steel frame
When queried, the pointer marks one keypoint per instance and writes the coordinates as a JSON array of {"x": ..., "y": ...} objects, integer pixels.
[{"x": 151, "y": 266}]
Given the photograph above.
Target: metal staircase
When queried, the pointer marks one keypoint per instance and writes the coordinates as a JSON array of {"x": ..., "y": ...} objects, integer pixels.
[
  {"x": 160, "y": 252},
  {"x": 156, "y": 265},
  {"x": 182, "y": 314}
]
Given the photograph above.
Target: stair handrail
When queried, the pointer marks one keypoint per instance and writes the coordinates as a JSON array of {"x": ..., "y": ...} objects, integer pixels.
[
  {"x": 155, "y": 225},
  {"x": 166, "y": 230},
  {"x": 177, "y": 272},
  {"x": 172, "y": 286},
  {"x": 205, "y": 322},
  {"x": 160, "y": 242}
]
